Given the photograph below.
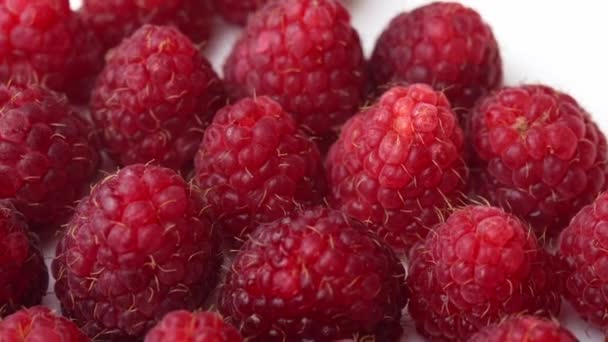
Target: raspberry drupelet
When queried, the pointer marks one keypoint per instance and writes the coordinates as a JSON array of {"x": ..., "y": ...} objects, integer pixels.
[
  {"x": 524, "y": 328},
  {"x": 184, "y": 326},
  {"x": 255, "y": 166},
  {"x": 137, "y": 248},
  {"x": 538, "y": 154},
  {"x": 237, "y": 11},
  {"x": 39, "y": 324},
  {"x": 399, "y": 164}
]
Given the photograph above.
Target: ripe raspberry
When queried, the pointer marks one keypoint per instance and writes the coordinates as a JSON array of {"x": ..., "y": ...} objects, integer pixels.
[
  {"x": 237, "y": 11},
  {"x": 305, "y": 55},
  {"x": 479, "y": 266},
  {"x": 154, "y": 97},
  {"x": 46, "y": 154},
  {"x": 399, "y": 164},
  {"x": 254, "y": 166},
  {"x": 315, "y": 276},
  {"x": 539, "y": 155},
  {"x": 39, "y": 324},
  {"x": 185, "y": 326},
  {"x": 526, "y": 328},
  {"x": 114, "y": 20},
  {"x": 444, "y": 44},
  {"x": 135, "y": 249},
  {"x": 24, "y": 276}
]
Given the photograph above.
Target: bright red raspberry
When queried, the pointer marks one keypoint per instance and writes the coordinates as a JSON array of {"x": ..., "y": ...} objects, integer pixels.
[
  {"x": 39, "y": 324},
  {"x": 525, "y": 328},
  {"x": 444, "y": 44},
  {"x": 23, "y": 274},
  {"x": 539, "y": 155},
  {"x": 314, "y": 276},
  {"x": 237, "y": 11},
  {"x": 255, "y": 166},
  {"x": 305, "y": 55},
  {"x": 479, "y": 266},
  {"x": 399, "y": 164},
  {"x": 114, "y": 20},
  {"x": 154, "y": 98},
  {"x": 136, "y": 248},
  {"x": 47, "y": 155},
  {"x": 186, "y": 326}
]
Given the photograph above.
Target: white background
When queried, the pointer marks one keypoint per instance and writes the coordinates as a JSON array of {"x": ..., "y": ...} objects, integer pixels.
[{"x": 558, "y": 43}]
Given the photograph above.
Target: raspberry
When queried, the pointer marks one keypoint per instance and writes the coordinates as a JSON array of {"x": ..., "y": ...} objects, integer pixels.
[
  {"x": 539, "y": 154},
  {"x": 44, "y": 42},
  {"x": 114, "y": 20},
  {"x": 254, "y": 166},
  {"x": 399, "y": 164},
  {"x": 185, "y": 326},
  {"x": 314, "y": 276},
  {"x": 444, "y": 44},
  {"x": 39, "y": 324},
  {"x": 305, "y": 55},
  {"x": 136, "y": 248},
  {"x": 154, "y": 97},
  {"x": 24, "y": 275},
  {"x": 237, "y": 11},
  {"x": 526, "y": 328},
  {"x": 46, "y": 154},
  {"x": 479, "y": 266}
]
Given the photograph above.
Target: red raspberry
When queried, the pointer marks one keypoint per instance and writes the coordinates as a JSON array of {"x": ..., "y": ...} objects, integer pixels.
[
  {"x": 237, "y": 11},
  {"x": 399, "y": 164},
  {"x": 315, "y": 276},
  {"x": 136, "y": 248},
  {"x": 154, "y": 97},
  {"x": 24, "y": 276},
  {"x": 479, "y": 266},
  {"x": 186, "y": 326},
  {"x": 114, "y": 20},
  {"x": 46, "y": 154},
  {"x": 525, "y": 328},
  {"x": 39, "y": 324},
  {"x": 305, "y": 55},
  {"x": 444, "y": 44},
  {"x": 539, "y": 154},
  {"x": 254, "y": 166}
]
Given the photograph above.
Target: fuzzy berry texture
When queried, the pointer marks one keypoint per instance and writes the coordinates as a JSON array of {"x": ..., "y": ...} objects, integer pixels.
[
  {"x": 524, "y": 328},
  {"x": 255, "y": 166},
  {"x": 187, "y": 326},
  {"x": 114, "y": 20},
  {"x": 305, "y": 55},
  {"x": 47, "y": 155},
  {"x": 136, "y": 249},
  {"x": 538, "y": 154},
  {"x": 314, "y": 276},
  {"x": 237, "y": 11},
  {"x": 399, "y": 164},
  {"x": 44, "y": 42},
  {"x": 24, "y": 276},
  {"x": 39, "y": 324},
  {"x": 479, "y": 266},
  {"x": 154, "y": 98},
  {"x": 444, "y": 44}
]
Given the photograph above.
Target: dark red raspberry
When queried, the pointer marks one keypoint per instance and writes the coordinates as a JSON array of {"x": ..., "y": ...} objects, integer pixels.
[
  {"x": 254, "y": 166},
  {"x": 47, "y": 156},
  {"x": 314, "y": 276},
  {"x": 305, "y": 55},
  {"x": 539, "y": 155},
  {"x": 525, "y": 328},
  {"x": 237, "y": 11},
  {"x": 136, "y": 248},
  {"x": 154, "y": 98},
  {"x": 479, "y": 266},
  {"x": 184, "y": 326},
  {"x": 44, "y": 42},
  {"x": 399, "y": 164},
  {"x": 39, "y": 324},
  {"x": 23, "y": 274},
  {"x": 114, "y": 20},
  {"x": 444, "y": 44}
]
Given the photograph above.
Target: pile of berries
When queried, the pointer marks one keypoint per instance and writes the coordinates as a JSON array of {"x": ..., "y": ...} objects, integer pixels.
[{"x": 338, "y": 193}]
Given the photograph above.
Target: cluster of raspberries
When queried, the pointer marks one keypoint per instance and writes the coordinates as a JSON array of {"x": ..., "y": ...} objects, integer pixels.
[{"x": 310, "y": 194}]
